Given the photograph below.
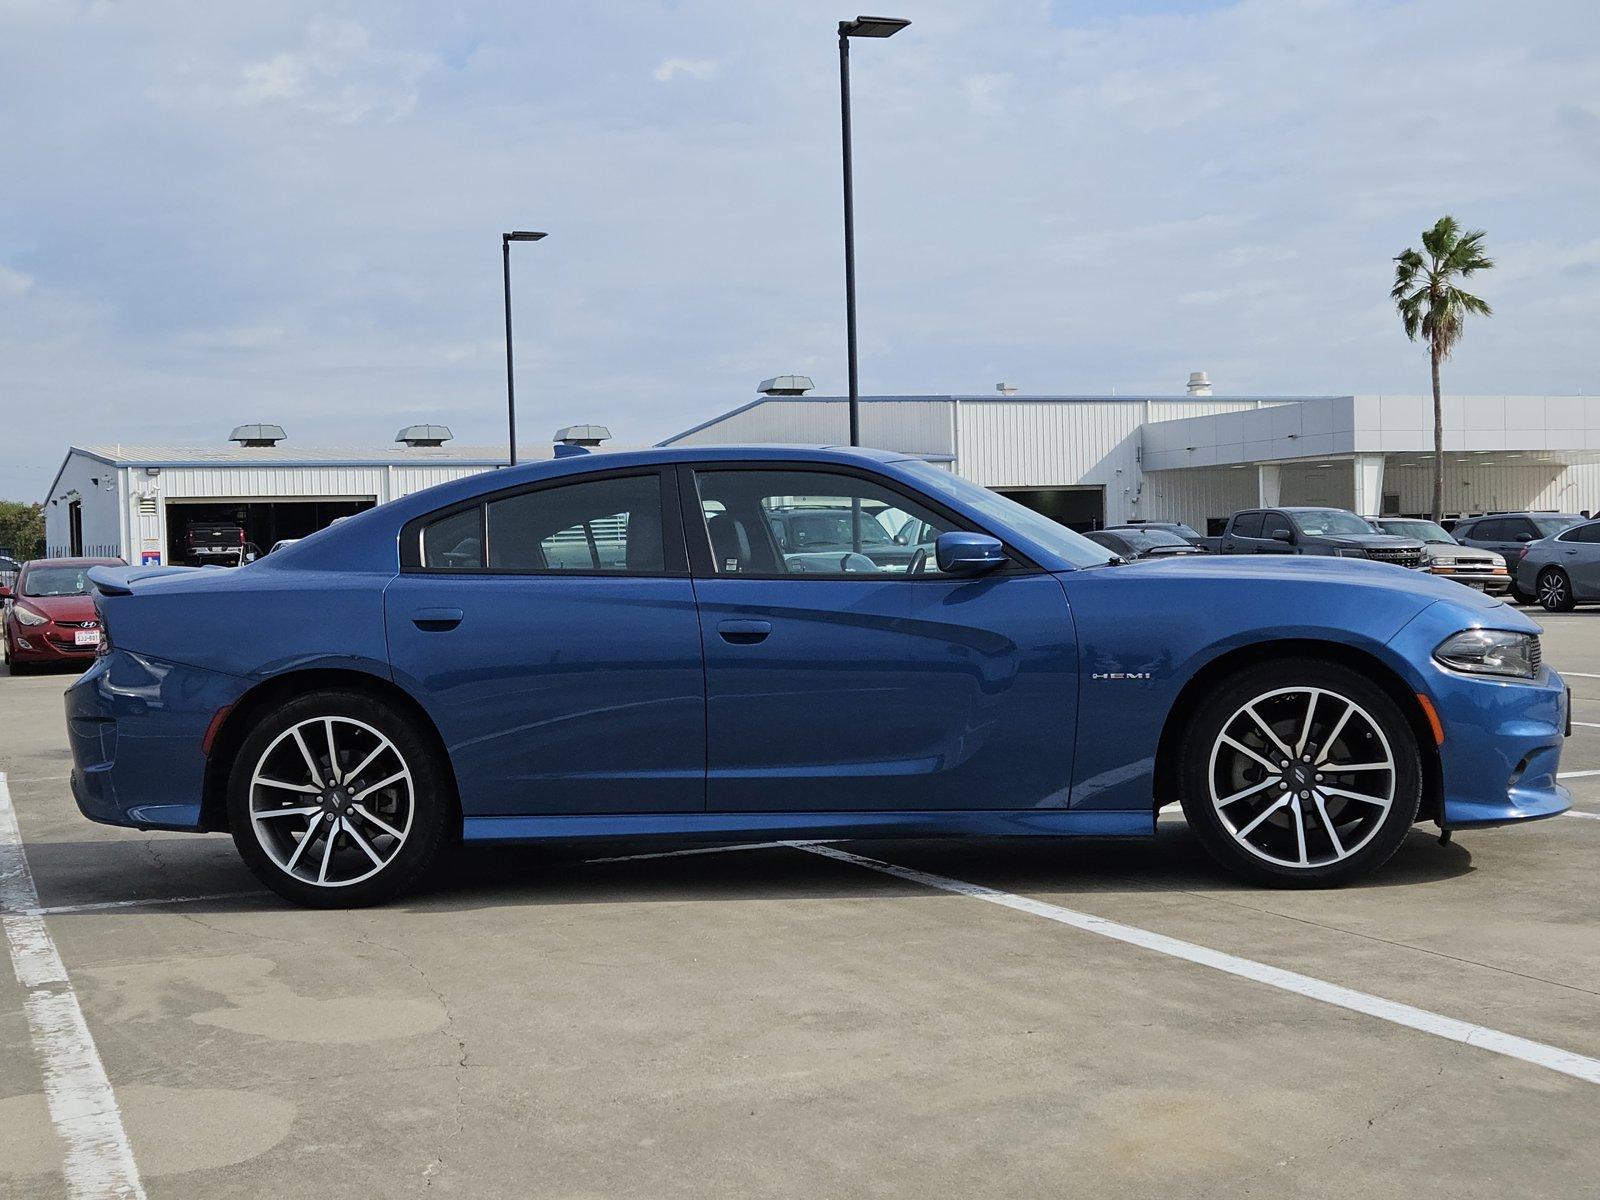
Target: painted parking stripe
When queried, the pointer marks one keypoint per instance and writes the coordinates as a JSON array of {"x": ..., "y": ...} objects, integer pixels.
[
  {"x": 696, "y": 850},
  {"x": 99, "y": 1159},
  {"x": 1552, "y": 1058},
  {"x": 1580, "y": 674},
  {"x": 146, "y": 902},
  {"x": 1588, "y": 724},
  {"x": 1576, "y": 774},
  {"x": 1578, "y": 812}
]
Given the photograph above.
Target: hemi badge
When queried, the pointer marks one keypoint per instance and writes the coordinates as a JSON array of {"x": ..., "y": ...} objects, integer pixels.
[{"x": 1120, "y": 675}]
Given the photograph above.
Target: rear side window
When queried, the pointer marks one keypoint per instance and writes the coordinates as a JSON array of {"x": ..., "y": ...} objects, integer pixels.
[
  {"x": 601, "y": 525},
  {"x": 1247, "y": 525},
  {"x": 1582, "y": 533},
  {"x": 454, "y": 543}
]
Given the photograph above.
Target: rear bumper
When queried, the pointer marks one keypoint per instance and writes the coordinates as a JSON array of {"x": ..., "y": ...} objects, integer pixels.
[{"x": 136, "y": 727}]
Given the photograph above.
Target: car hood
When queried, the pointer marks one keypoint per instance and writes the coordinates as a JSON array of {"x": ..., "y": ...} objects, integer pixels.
[
  {"x": 1372, "y": 541},
  {"x": 1358, "y": 574},
  {"x": 61, "y": 608},
  {"x": 1460, "y": 553}
]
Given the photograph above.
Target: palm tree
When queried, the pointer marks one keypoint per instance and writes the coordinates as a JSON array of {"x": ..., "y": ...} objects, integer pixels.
[{"x": 1431, "y": 305}]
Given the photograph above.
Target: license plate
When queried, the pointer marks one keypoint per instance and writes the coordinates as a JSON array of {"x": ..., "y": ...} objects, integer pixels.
[{"x": 87, "y": 637}]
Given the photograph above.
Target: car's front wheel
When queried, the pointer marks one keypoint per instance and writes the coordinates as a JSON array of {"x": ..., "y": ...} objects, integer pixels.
[
  {"x": 1300, "y": 773},
  {"x": 338, "y": 799},
  {"x": 1555, "y": 590}
]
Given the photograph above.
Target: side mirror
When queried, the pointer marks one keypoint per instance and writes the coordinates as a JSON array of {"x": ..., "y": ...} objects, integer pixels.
[
  {"x": 1283, "y": 535},
  {"x": 1524, "y": 537},
  {"x": 960, "y": 553}
]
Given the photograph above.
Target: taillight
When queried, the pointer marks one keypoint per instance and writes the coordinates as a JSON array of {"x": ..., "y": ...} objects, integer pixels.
[{"x": 1522, "y": 554}]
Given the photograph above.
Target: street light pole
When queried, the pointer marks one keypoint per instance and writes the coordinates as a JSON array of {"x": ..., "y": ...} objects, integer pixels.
[
  {"x": 511, "y": 387},
  {"x": 877, "y": 27}
]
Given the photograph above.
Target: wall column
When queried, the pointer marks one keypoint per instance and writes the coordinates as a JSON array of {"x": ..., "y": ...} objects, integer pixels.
[
  {"x": 1369, "y": 484},
  {"x": 1269, "y": 490}
]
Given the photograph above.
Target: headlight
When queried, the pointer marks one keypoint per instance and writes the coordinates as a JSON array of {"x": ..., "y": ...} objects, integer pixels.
[
  {"x": 1491, "y": 652},
  {"x": 28, "y": 617},
  {"x": 1351, "y": 553}
]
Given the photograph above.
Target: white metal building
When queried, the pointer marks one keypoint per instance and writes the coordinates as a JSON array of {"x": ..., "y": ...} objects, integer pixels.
[
  {"x": 1088, "y": 460},
  {"x": 136, "y": 502}
]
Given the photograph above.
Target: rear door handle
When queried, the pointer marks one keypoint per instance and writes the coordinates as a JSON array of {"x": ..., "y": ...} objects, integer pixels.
[
  {"x": 744, "y": 633},
  {"x": 436, "y": 620}
]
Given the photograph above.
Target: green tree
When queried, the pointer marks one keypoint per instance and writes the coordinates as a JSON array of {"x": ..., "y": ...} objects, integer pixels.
[
  {"x": 22, "y": 528},
  {"x": 1432, "y": 307}
]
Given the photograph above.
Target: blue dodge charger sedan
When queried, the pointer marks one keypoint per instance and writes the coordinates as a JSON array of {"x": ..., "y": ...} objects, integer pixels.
[{"x": 619, "y": 645}]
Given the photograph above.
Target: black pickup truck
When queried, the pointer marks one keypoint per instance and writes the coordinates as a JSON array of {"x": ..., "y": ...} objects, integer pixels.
[{"x": 1335, "y": 532}]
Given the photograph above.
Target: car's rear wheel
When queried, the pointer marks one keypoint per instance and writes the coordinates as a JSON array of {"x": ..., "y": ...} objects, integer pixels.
[
  {"x": 338, "y": 799},
  {"x": 1555, "y": 590},
  {"x": 1300, "y": 773}
]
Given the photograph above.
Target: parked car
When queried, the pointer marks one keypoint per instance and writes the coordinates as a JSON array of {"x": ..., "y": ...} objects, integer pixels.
[
  {"x": 398, "y": 692},
  {"x": 811, "y": 535},
  {"x": 49, "y": 616},
  {"x": 1192, "y": 536},
  {"x": 1564, "y": 570},
  {"x": 1142, "y": 542},
  {"x": 221, "y": 542},
  {"x": 1443, "y": 555},
  {"x": 1507, "y": 533},
  {"x": 1335, "y": 532}
]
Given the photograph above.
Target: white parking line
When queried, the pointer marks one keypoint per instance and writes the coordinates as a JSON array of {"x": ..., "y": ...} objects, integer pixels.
[
  {"x": 1588, "y": 724},
  {"x": 1576, "y": 774},
  {"x": 83, "y": 1108},
  {"x": 695, "y": 850},
  {"x": 147, "y": 902},
  {"x": 1579, "y": 675},
  {"x": 1552, "y": 1058},
  {"x": 1578, "y": 812}
]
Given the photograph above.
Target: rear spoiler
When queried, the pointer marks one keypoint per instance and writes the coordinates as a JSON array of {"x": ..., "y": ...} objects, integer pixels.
[{"x": 119, "y": 581}]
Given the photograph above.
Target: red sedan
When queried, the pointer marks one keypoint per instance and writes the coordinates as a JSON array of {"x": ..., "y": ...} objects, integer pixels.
[{"x": 49, "y": 616}]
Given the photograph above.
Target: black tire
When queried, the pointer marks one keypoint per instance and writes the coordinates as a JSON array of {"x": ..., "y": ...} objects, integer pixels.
[
  {"x": 1379, "y": 830},
  {"x": 1555, "y": 590},
  {"x": 428, "y": 793}
]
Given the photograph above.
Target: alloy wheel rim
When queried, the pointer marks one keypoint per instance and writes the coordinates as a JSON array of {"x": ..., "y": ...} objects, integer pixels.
[
  {"x": 331, "y": 801},
  {"x": 1302, "y": 777},
  {"x": 1552, "y": 590}
]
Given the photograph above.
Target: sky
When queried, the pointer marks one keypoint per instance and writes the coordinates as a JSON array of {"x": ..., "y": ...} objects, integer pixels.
[{"x": 219, "y": 213}]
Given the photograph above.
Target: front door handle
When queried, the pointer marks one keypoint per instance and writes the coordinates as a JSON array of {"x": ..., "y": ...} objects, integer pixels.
[
  {"x": 744, "y": 633},
  {"x": 436, "y": 620}
]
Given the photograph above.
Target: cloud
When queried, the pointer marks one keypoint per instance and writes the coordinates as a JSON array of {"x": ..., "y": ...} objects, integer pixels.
[
  {"x": 695, "y": 68},
  {"x": 13, "y": 284},
  {"x": 221, "y": 208}
]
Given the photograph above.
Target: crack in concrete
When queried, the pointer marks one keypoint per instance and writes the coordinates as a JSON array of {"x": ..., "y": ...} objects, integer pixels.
[{"x": 458, "y": 1119}]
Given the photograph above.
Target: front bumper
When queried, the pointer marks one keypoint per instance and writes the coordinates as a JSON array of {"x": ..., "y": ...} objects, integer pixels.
[
  {"x": 1495, "y": 583},
  {"x": 1501, "y": 756},
  {"x": 48, "y": 643},
  {"x": 136, "y": 727}
]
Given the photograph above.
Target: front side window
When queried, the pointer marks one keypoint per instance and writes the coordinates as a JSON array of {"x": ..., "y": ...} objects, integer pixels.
[
  {"x": 1248, "y": 525},
  {"x": 814, "y": 523}
]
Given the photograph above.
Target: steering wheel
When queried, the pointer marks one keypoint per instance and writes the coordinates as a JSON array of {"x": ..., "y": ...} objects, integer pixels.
[{"x": 919, "y": 562}]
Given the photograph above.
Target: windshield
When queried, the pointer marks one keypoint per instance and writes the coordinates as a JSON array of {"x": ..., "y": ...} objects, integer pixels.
[
  {"x": 55, "y": 581},
  {"x": 1550, "y": 526},
  {"x": 1326, "y": 522},
  {"x": 1149, "y": 539},
  {"x": 1074, "y": 547},
  {"x": 1423, "y": 531}
]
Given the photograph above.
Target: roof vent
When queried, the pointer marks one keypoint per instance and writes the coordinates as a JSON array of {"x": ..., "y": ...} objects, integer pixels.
[
  {"x": 257, "y": 435},
  {"x": 1007, "y": 389},
  {"x": 582, "y": 435},
  {"x": 1199, "y": 383},
  {"x": 785, "y": 385},
  {"x": 424, "y": 435}
]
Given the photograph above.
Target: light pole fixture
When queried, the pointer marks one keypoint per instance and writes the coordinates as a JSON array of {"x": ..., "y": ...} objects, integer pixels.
[
  {"x": 511, "y": 388},
  {"x": 864, "y": 27}
]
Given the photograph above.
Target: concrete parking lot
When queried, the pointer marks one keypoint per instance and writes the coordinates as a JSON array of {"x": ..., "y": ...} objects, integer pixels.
[{"x": 782, "y": 1022}]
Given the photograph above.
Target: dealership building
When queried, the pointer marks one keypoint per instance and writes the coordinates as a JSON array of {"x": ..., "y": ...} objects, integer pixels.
[
  {"x": 1197, "y": 457},
  {"x": 138, "y": 502},
  {"x": 1086, "y": 460}
]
